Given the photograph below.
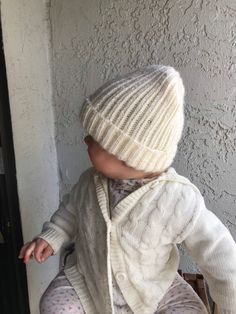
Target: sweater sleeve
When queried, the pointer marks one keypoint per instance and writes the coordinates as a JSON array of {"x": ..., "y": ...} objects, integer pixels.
[
  {"x": 214, "y": 249},
  {"x": 62, "y": 226}
]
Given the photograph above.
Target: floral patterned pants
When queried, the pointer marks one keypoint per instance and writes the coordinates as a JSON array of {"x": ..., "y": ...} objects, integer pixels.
[{"x": 61, "y": 298}]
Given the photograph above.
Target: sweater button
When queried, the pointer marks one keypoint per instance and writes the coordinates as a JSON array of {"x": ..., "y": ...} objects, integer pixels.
[{"x": 120, "y": 276}]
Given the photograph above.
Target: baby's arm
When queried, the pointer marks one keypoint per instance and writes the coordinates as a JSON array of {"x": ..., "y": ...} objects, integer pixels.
[
  {"x": 62, "y": 226},
  {"x": 212, "y": 246},
  {"x": 60, "y": 229}
]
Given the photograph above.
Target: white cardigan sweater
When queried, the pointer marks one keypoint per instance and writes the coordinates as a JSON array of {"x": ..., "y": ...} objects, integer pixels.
[{"x": 139, "y": 243}]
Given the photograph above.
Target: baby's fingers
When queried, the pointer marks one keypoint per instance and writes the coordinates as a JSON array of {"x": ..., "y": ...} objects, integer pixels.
[
  {"x": 23, "y": 250},
  {"x": 27, "y": 251},
  {"x": 46, "y": 253},
  {"x": 41, "y": 245}
]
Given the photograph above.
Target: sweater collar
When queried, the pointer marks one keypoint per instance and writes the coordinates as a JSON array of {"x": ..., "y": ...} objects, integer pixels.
[{"x": 121, "y": 209}]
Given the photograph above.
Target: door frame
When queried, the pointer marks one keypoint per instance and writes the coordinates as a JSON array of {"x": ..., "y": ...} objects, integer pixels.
[{"x": 11, "y": 215}]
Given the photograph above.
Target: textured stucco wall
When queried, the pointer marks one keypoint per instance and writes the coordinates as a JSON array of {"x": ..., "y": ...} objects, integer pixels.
[
  {"x": 26, "y": 35},
  {"x": 94, "y": 40}
]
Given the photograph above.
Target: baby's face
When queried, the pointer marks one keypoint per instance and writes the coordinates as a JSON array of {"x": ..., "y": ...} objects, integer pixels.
[{"x": 109, "y": 165}]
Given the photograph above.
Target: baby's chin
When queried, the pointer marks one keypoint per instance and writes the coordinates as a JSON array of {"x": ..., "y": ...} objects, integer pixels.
[
  {"x": 115, "y": 175},
  {"x": 123, "y": 174}
]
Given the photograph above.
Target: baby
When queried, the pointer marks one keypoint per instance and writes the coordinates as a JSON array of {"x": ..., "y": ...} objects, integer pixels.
[{"x": 128, "y": 212}]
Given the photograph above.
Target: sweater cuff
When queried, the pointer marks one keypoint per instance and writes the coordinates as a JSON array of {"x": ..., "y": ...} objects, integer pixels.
[{"x": 54, "y": 239}]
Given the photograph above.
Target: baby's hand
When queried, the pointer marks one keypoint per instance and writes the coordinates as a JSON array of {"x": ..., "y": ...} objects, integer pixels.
[{"x": 38, "y": 248}]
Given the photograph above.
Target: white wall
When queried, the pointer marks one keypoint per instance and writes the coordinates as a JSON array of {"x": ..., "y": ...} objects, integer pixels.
[
  {"x": 94, "y": 40},
  {"x": 27, "y": 52}
]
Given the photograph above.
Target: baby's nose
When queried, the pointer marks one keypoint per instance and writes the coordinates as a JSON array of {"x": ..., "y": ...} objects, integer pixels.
[{"x": 88, "y": 139}]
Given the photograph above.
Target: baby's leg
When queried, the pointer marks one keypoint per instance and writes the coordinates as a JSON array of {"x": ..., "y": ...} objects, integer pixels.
[
  {"x": 60, "y": 298},
  {"x": 181, "y": 299}
]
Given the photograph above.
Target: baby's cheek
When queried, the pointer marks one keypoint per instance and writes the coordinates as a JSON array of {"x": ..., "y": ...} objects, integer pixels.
[{"x": 98, "y": 159}]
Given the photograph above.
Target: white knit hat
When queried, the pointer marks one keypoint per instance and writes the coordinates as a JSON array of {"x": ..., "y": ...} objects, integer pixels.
[{"x": 138, "y": 117}]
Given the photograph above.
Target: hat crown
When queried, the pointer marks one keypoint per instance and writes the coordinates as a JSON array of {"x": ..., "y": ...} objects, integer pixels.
[{"x": 144, "y": 108}]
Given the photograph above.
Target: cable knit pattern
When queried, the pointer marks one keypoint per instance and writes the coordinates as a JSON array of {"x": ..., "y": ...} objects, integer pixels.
[{"x": 139, "y": 243}]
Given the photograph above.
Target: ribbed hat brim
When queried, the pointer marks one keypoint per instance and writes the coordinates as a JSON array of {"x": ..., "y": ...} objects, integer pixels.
[{"x": 116, "y": 142}]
